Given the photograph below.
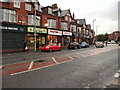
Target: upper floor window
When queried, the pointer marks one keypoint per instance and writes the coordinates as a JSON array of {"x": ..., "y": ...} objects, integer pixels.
[
  {"x": 8, "y": 15},
  {"x": 73, "y": 27},
  {"x": 64, "y": 26},
  {"x": 16, "y": 4},
  {"x": 51, "y": 23},
  {"x": 49, "y": 10},
  {"x": 27, "y": 7},
  {"x": 69, "y": 19},
  {"x": 78, "y": 22},
  {"x": 66, "y": 18},
  {"x": 31, "y": 20},
  {"x": 79, "y": 29}
]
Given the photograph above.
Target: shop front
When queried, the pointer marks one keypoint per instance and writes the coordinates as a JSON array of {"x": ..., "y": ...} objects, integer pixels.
[
  {"x": 13, "y": 37},
  {"x": 75, "y": 37},
  {"x": 41, "y": 34},
  {"x": 66, "y": 38},
  {"x": 54, "y": 36}
]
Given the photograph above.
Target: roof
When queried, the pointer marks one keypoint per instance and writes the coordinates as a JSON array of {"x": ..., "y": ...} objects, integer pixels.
[
  {"x": 82, "y": 21},
  {"x": 65, "y": 12},
  {"x": 88, "y": 26}
]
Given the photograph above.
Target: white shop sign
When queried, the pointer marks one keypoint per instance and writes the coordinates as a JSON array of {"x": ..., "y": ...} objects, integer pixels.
[
  {"x": 54, "y": 32},
  {"x": 67, "y": 33}
]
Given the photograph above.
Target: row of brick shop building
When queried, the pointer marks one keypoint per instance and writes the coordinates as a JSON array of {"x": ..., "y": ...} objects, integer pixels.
[{"x": 52, "y": 25}]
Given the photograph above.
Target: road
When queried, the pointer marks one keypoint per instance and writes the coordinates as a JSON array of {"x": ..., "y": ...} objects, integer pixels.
[{"x": 94, "y": 68}]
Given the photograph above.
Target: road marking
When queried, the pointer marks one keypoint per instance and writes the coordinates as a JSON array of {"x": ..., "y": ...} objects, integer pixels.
[
  {"x": 1, "y": 67},
  {"x": 70, "y": 57},
  {"x": 116, "y": 75},
  {"x": 54, "y": 60},
  {"x": 31, "y": 65},
  {"x": 39, "y": 68}
]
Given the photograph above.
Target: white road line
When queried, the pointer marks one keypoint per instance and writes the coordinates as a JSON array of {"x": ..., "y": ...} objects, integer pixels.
[
  {"x": 117, "y": 75},
  {"x": 1, "y": 67},
  {"x": 54, "y": 60},
  {"x": 70, "y": 57},
  {"x": 39, "y": 68},
  {"x": 31, "y": 65}
]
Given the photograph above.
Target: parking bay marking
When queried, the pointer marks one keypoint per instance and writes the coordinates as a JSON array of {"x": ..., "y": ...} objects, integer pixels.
[
  {"x": 31, "y": 64},
  {"x": 54, "y": 60}
]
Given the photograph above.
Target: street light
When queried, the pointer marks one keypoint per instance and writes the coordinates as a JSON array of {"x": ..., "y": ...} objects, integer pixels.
[
  {"x": 93, "y": 23},
  {"x": 96, "y": 30}
]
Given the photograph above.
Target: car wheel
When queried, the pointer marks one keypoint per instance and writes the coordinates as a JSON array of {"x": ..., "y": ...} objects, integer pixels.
[
  {"x": 50, "y": 49},
  {"x": 42, "y": 51},
  {"x": 60, "y": 49},
  {"x": 75, "y": 47}
]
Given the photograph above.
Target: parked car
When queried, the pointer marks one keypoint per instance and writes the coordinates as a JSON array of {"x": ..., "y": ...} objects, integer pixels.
[
  {"x": 84, "y": 45},
  {"x": 118, "y": 43},
  {"x": 108, "y": 42},
  {"x": 99, "y": 44},
  {"x": 51, "y": 47},
  {"x": 113, "y": 42},
  {"x": 74, "y": 45}
]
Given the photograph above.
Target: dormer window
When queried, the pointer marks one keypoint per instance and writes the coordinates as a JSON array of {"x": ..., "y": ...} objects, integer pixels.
[
  {"x": 59, "y": 14},
  {"x": 36, "y": 6},
  {"x": 16, "y": 4},
  {"x": 40, "y": 8},
  {"x": 49, "y": 10}
]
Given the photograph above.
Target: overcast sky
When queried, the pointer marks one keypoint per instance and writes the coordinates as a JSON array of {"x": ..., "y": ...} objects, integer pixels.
[{"x": 104, "y": 11}]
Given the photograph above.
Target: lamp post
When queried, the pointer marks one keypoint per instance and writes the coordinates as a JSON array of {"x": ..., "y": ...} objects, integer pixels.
[
  {"x": 93, "y": 23},
  {"x": 35, "y": 28},
  {"x": 93, "y": 29},
  {"x": 96, "y": 32}
]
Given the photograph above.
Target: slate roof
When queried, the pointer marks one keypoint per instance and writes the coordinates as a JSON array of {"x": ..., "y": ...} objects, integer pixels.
[
  {"x": 88, "y": 26},
  {"x": 64, "y": 12}
]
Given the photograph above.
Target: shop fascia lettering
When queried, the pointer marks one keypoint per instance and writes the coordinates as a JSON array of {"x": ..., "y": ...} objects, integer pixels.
[
  {"x": 67, "y": 33},
  {"x": 9, "y": 28},
  {"x": 54, "y": 32},
  {"x": 38, "y": 30}
]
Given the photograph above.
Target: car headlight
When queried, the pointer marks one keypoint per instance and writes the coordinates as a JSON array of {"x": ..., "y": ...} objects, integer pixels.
[{"x": 47, "y": 47}]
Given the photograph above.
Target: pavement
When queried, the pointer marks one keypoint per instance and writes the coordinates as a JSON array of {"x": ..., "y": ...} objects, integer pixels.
[{"x": 17, "y": 64}]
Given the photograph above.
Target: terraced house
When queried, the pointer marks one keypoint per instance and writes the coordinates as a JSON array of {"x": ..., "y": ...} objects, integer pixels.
[{"x": 52, "y": 25}]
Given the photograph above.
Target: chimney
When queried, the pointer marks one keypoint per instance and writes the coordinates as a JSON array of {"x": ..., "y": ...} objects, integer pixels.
[
  {"x": 54, "y": 6},
  {"x": 73, "y": 16}
]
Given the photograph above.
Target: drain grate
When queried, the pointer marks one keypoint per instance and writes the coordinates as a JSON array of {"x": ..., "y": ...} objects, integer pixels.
[{"x": 39, "y": 61}]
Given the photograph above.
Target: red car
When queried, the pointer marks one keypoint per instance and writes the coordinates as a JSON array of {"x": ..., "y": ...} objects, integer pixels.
[{"x": 51, "y": 47}]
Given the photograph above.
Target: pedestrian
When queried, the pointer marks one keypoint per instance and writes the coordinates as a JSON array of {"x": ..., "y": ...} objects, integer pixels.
[
  {"x": 106, "y": 43},
  {"x": 25, "y": 45}
]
